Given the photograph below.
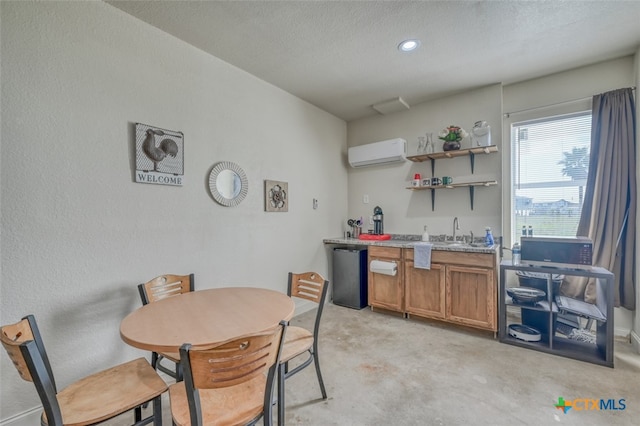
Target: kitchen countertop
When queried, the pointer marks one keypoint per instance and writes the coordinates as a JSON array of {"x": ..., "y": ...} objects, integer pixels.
[{"x": 408, "y": 241}]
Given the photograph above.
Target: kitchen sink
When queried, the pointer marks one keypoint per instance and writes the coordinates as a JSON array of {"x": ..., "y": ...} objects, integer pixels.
[
  {"x": 449, "y": 243},
  {"x": 457, "y": 244}
]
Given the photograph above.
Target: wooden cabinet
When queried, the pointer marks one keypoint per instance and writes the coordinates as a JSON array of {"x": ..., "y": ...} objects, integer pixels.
[
  {"x": 425, "y": 290},
  {"x": 386, "y": 291},
  {"x": 460, "y": 288},
  {"x": 471, "y": 296}
]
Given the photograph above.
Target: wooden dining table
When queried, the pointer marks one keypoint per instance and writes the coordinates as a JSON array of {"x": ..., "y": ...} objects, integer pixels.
[{"x": 205, "y": 317}]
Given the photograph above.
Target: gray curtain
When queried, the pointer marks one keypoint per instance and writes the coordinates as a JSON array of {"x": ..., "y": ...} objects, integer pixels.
[{"x": 609, "y": 210}]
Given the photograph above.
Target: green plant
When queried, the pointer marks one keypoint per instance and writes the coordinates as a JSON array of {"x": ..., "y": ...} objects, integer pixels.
[{"x": 452, "y": 134}]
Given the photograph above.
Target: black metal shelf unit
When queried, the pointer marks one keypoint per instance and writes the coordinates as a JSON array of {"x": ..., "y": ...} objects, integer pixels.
[{"x": 600, "y": 352}]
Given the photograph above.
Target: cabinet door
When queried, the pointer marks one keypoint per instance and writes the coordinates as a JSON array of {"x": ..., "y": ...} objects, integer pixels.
[
  {"x": 471, "y": 296},
  {"x": 386, "y": 291},
  {"x": 425, "y": 290}
]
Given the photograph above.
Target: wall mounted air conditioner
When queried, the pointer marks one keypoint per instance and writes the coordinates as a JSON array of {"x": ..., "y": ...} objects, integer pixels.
[{"x": 384, "y": 152}]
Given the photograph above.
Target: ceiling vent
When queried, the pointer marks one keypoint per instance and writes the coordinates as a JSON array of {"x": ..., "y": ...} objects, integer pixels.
[{"x": 388, "y": 107}]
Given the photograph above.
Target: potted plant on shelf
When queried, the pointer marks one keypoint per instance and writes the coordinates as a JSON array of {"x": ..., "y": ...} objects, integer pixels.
[{"x": 452, "y": 136}]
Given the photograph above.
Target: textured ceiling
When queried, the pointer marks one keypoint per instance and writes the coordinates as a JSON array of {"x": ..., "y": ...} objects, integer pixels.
[{"x": 341, "y": 55}]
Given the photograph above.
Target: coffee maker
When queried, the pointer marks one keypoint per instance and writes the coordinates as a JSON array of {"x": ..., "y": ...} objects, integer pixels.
[{"x": 378, "y": 219}]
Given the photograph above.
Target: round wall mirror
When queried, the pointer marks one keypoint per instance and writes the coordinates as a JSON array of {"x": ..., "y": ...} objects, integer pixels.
[{"x": 228, "y": 183}]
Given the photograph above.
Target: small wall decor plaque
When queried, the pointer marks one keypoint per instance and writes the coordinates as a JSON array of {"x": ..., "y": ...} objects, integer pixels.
[
  {"x": 276, "y": 196},
  {"x": 159, "y": 155}
]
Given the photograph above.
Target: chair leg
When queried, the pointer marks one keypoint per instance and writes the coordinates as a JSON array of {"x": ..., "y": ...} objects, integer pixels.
[
  {"x": 137, "y": 416},
  {"x": 179, "y": 373},
  {"x": 316, "y": 361},
  {"x": 281, "y": 373},
  {"x": 154, "y": 359},
  {"x": 157, "y": 411},
  {"x": 267, "y": 416},
  {"x": 154, "y": 362}
]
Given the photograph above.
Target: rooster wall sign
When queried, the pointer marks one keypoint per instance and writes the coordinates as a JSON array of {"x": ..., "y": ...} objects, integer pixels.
[{"x": 159, "y": 155}]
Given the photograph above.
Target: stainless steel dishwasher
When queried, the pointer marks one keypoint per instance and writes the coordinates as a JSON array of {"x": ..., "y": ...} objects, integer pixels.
[{"x": 350, "y": 277}]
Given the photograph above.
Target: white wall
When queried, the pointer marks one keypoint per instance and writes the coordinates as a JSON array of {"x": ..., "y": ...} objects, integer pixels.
[
  {"x": 78, "y": 234},
  {"x": 405, "y": 211},
  {"x": 554, "y": 94}
]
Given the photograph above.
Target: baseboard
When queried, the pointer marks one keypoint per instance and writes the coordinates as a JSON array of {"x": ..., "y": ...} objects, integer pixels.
[
  {"x": 27, "y": 418},
  {"x": 635, "y": 341},
  {"x": 621, "y": 332}
]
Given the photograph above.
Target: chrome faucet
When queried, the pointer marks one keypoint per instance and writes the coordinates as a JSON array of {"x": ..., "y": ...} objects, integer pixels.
[{"x": 456, "y": 227}]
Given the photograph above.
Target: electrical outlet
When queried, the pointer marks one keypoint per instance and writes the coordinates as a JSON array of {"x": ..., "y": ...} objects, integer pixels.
[{"x": 365, "y": 199}]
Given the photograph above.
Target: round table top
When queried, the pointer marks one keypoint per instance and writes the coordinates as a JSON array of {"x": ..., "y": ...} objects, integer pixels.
[{"x": 205, "y": 317}]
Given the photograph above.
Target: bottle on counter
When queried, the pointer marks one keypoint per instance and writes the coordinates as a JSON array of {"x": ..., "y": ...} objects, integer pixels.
[
  {"x": 425, "y": 234},
  {"x": 515, "y": 254},
  {"x": 530, "y": 233},
  {"x": 488, "y": 238},
  {"x": 524, "y": 231}
]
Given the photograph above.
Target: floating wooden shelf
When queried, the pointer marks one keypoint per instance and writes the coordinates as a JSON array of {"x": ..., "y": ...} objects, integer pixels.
[
  {"x": 451, "y": 154},
  {"x": 470, "y": 185},
  {"x": 454, "y": 185},
  {"x": 471, "y": 152}
]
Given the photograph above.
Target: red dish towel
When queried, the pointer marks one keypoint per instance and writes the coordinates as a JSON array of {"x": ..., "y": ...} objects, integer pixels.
[{"x": 374, "y": 237}]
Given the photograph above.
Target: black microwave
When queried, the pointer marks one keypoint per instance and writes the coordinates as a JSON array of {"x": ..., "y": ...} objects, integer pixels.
[{"x": 565, "y": 252}]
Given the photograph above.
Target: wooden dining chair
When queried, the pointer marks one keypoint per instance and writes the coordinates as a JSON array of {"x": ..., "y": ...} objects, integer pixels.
[
  {"x": 230, "y": 383},
  {"x": 90, "y": 400},
  {"x": 310, "y": 286},
  {"x": 160, "y": 288}
]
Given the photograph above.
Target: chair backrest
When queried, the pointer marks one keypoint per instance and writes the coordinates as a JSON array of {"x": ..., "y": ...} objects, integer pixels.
[
  {"x": 310, "y": 286},
  {"x": 307, "y": 285},
  {"x": 165, "y": 286},
  {"x": 231, "y": 363},
  {"x": 25, "y": 347}
]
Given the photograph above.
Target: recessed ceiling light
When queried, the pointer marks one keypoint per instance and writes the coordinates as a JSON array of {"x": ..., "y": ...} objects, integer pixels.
[{"x": 409, "y": 45}]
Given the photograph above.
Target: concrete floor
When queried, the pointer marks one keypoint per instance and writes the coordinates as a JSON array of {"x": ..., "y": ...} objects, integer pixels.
[{"x": 384, "y": 370}]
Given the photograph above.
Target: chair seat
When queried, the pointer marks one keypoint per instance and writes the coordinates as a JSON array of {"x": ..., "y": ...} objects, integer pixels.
[
  {"x": 105, "y": 394},
  {"x": 235, "y": 405},
  {"x": 297, "y": 341}
]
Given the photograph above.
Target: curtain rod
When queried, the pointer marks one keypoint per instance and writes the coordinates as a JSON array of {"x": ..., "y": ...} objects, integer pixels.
[{"x": 508, "y": 114}]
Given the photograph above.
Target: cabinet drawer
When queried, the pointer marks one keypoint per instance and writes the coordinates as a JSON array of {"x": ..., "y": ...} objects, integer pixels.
[
  {"x": 483, "y": 260},
  {"x": 389, "y": 252}
]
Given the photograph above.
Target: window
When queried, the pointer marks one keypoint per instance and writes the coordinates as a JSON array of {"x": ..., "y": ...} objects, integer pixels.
[{"x": 550, "y": 163}]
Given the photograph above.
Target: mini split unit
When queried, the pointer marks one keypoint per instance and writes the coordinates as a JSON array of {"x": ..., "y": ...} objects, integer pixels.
[{"x": 384, "y": 152}]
